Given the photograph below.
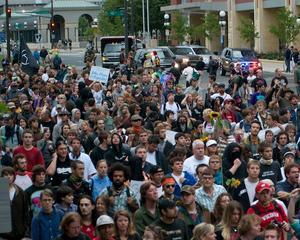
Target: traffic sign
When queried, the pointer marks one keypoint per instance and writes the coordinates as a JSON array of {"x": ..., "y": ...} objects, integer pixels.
[{"x": 38, "y": 37}]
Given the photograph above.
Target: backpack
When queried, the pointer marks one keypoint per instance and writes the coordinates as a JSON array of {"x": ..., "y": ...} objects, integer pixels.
[
  {"x": 110, "y": 192},
  {"x": 276, "y": 207}
]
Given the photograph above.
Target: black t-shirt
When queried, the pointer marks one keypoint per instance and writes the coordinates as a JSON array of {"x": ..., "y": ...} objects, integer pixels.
[
  {"x": 175, "y": 231},
  {"x": 97, "y": 154},
  {"x": 271, "y": 172},
  {"x": 62, "y": 172}
]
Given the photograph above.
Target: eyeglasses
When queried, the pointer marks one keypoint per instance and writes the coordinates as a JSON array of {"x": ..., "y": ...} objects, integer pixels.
[
  {"x": 137, "y": 120},
  {"x": 170, "y": 186}
]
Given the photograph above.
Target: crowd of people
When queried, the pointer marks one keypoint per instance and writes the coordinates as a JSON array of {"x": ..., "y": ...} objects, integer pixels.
[{"x": 147, "y": 157}]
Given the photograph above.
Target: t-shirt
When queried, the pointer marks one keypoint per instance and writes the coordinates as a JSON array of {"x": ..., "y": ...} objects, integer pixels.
[
  {"x": 191, "y": 163},
  {"x": 174, "y": 231},
  {"x": 89, "y": 168},
  {"x": 23, "y": 181},
  {"x": 151, "y": 158},
  {"x": 33, "y": 156},
  {"x": 89, "y": 230},
  {"x": 62, "y": 172},
  {"x": 250, "y": 186},
  {"x": 271, "y": 172}
]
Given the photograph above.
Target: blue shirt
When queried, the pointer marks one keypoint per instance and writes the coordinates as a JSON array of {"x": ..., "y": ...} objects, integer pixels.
[
  {"x": 46, "y": 226},
  {"x": 98, "y": 184}
]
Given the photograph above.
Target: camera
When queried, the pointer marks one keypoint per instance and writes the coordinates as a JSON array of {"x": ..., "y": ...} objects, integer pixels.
[
  {"x": 256, "y": 156},
  {"x": 277, "y": 224}
]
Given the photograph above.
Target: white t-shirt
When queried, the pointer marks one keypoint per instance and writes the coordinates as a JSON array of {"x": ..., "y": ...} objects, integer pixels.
[
  {"x": 23, "y": 182},
  {"x": 175, "y": 108},
  {"x": 224, "y": 96},
  {"x": 151, "y": 158},
  {"x": 177, "y": 178},
  {"x": 89, "y": 168},
  {"x": 250, "y": 186},
  {"x": 191, "y": 163}
]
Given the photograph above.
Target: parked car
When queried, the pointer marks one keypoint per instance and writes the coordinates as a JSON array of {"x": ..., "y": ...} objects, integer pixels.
[
  {"x": 165, "y": 55},
  {"x": 246, "y": 57},
  {"x": 192, "y": 53}
]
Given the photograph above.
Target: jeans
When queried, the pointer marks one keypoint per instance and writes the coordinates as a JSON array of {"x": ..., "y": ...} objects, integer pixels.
[{"x": 288, "y": 65}]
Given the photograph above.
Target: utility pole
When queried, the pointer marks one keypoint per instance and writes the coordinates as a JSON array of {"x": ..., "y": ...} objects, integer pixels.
[
  {"x": 126, "y": 26},
  {"x": 51, "y": 24},
  {"x": 7, "y": 17},
  {"x": 144, "y": 24},
  {"x": 148, "y": 24},
  {"x": 132, "y": 18}
]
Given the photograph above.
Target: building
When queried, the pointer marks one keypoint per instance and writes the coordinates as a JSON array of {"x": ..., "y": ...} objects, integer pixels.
[
  {"x": 261, "y": 12},
  {"x": 31, "y": 19}
]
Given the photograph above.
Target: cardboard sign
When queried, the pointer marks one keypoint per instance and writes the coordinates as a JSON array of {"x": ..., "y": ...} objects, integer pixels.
[
  {"x": 5, "y": 216},
  {"x": 99, "y": 74}
]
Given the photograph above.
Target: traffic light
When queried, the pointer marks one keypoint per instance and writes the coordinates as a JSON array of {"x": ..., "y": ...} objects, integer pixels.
[
  {"x": 8, "y": 12},
  {"x": 52, "y": 25}
]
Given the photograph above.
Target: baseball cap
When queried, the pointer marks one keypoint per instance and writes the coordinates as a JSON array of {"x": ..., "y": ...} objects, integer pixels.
[
  {"x": 24, "y": 102},
  {"x": 262, "y": 186},
  {"x": 11, "y": 105},
  {"x": 155, "y": 169},
  {"x": 211, "y": 142},
  {"x": 289, "y": 153},
  {"x": 104, "y": 220},
  {"x": 188, "y": 189},
  {"x": 136, "y": 117}
]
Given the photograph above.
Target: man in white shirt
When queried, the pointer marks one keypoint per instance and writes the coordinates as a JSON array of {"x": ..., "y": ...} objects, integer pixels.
[
  {"x": 245, "y": 192},
  {"x": 191, "y": 163},
  {"x": 221, "y": 93},
  {"x": 23, "y": 178},
  {"x": 76, "y": 154},
  {"x": 171, "y": 105}
]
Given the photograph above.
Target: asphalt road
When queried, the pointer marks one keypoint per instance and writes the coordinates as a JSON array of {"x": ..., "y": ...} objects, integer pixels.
[{"x": 75, "y": 57}]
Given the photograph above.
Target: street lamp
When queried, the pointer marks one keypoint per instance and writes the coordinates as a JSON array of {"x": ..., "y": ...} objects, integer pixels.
[
  {"x": 95, "y": 25},
  {"x": 167, "y": 25},
  {"x": 222, "y": 23}
]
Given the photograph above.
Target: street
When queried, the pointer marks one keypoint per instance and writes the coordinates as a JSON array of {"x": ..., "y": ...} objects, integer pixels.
[{"x": 75, "y": 57}]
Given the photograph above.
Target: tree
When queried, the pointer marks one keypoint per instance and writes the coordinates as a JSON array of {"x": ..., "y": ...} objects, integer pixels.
[
  {"x": 83, "y": 26},
  {"x": 110, "y": 18},
  {"x": 247, "y": 31},
  {"x": 209, "y": 28},
  {"x": 286, "y": 29},
  {"x": 179, "y": 27}
]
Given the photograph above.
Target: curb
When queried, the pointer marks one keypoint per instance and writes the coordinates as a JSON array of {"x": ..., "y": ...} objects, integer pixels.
[{"x": 272, "y": 61}]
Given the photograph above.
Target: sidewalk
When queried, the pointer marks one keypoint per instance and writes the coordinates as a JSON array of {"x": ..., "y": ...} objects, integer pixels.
[{"x": 271, "y": 65}]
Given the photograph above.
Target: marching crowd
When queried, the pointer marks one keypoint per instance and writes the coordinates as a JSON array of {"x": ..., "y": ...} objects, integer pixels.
[{"x": 145, "y": 157}]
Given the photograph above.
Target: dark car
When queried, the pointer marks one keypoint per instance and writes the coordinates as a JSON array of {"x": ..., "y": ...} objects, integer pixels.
[
  {"x": 246, "y": 57},
  {"x": 165, "y": 55},
  {"x": 192, "y": 54}
]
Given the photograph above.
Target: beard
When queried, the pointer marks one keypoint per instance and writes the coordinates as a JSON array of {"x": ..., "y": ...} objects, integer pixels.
[{"x": 117, "y": 184}]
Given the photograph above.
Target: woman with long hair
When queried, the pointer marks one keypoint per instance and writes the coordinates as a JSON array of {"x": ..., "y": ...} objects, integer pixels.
[
  {"x": 230, "y": 220},
  {"x": 35, "y": 126},
  {"x": 221, "y": 203},
  {"x": 117, "y": 153},
  {"x": 71, "y": 228},
  {"x": 124, "y": 228},
  {"x": 102, "y": 204},
  {"x": 204, "y": 231}
]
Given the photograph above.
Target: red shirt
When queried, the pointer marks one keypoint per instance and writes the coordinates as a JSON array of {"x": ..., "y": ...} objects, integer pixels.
[
  {"x": 33, "y": 156},
  {"x": 268, "y": 214},
  {"x": 89, "y": 230}
]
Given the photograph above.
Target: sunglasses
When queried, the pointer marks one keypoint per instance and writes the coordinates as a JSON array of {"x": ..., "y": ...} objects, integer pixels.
[
  {"x": 137, "y": 120},
  {"x": 169, "y": 186}
]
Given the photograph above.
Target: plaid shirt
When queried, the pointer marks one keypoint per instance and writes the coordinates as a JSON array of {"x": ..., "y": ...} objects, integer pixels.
[
  {"x": 206, "y": 201},
  {"x": 120, "y": 202}
]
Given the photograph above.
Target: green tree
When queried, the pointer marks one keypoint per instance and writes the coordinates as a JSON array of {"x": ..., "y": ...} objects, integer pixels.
[
  {"x": 248, "y": 31},
  {"x": 209, "y": 28},
  {"x": 108, "y": 23},
  {"x": 286, "y": 28},
  {"x": 83, "y": 26},
  {"x": 179, "y": 27}
]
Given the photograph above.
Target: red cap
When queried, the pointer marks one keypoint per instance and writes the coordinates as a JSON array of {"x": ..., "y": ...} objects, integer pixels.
[{"x": 262, "y": 186}]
